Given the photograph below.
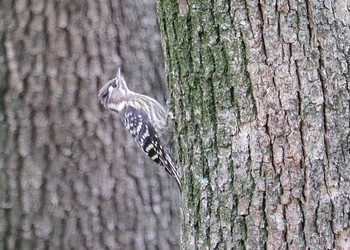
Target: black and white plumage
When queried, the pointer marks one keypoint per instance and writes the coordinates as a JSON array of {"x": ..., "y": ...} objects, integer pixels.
[{"x": 144, "y": 118}]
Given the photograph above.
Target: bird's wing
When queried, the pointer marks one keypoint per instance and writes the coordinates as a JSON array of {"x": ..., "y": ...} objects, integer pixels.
[{"x": 145, "y": 135}]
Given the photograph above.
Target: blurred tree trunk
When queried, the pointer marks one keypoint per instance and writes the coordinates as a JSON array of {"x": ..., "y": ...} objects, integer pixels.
[
  {"x": 260, "y": 93},
  {"x": 71, "y": 177}
]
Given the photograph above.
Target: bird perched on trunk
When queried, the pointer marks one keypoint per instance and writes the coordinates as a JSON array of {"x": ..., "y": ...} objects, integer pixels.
[{"x": 144, "y": 117}]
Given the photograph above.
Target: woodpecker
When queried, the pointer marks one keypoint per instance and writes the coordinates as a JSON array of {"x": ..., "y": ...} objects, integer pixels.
[{"x": 144, "y": 118}]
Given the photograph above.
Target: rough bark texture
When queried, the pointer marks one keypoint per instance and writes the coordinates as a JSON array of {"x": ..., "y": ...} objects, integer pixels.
[
  {"x": 260, "y": 92},
  {"x": 71, "y": 177}
]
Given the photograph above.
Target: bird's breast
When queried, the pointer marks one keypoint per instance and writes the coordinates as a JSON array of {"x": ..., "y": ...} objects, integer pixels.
[{"x": 118, "y": 107}]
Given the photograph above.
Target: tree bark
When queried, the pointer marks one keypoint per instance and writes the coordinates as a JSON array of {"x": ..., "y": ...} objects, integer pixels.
[
  {"x": 260, "y": 92},
  {"x": 71, "y": 177}
]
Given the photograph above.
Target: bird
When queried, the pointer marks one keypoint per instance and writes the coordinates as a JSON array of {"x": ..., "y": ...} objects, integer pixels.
[{"x": 144, "y": 117}]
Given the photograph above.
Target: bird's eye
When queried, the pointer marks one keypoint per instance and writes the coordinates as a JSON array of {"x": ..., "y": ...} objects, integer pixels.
[{"x": 114, "y": 85}]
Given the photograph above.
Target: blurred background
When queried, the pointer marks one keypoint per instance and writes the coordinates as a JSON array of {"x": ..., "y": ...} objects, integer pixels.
[{"x": 71, "y": 177}]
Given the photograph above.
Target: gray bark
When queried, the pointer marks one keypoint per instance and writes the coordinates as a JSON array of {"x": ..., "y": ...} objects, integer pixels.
[
  {"x": 71, "y": 177},
  {"x": 260, "y": 93}
]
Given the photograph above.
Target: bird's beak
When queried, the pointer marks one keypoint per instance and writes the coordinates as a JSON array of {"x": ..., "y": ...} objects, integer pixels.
[{"x": 103, "y": 95}]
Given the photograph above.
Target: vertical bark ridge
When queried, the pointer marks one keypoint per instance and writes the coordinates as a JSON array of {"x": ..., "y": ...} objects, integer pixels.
[{"x": 260, "y": 96}]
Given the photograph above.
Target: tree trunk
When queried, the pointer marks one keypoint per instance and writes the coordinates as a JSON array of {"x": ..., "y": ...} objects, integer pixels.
[
  {"x": 260, "y": 93},
  {"x": 71, "y": 177}
]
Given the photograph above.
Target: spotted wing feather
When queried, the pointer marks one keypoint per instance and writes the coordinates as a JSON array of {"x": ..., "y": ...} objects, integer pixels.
[{"x": 145, "y": 135}]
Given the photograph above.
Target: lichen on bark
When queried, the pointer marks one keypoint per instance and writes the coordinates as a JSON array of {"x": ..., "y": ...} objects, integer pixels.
[{"x": 260, "y": 93}]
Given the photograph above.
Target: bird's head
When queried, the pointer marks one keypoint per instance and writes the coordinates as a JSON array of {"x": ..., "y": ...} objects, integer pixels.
[{"x": 113, "y": 92}]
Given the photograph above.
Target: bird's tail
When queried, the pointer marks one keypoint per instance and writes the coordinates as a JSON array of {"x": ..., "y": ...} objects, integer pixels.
[{"x": 171, "y": 168}]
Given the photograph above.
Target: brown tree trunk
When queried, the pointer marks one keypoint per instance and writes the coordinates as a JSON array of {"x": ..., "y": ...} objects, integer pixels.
[
  {"x": 71, "y": 177},
  {"x": 261, "y": 97}
]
